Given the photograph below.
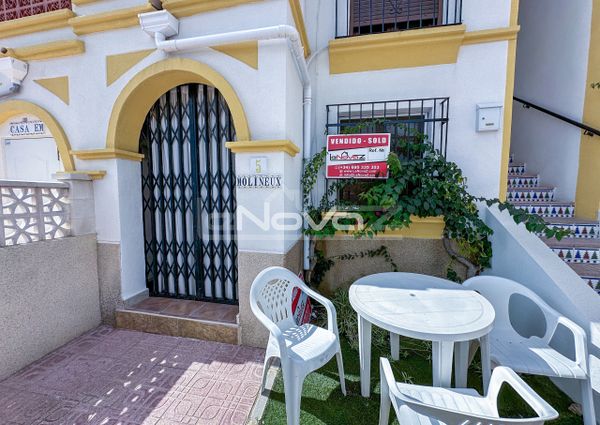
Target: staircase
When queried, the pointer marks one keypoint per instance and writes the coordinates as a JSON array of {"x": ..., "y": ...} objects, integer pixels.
[{"x": 580, "y": 250}]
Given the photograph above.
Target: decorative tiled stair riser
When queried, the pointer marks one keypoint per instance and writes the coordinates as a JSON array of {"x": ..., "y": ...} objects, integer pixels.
[
  {"x": 516, "y": 169},
  {"x": 593, "y": 282},
  {"x": 518, "y": 181},
  {"x": 581, "y": 249},
  {"x": 583, "y": 231},
  {"x": 530, "y": 194},
  {"x": 554, "y": 210},
  {"x": 578, "y": 255}
]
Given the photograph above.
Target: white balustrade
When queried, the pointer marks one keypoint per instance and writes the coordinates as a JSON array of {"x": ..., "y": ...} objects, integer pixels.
[{"x": 33, "y": 211}]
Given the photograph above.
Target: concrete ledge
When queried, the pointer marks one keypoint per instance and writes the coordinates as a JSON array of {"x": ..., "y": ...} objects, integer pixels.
[
  {"x": 177, "y": 326},
  {"x": 413, "y": 255}
]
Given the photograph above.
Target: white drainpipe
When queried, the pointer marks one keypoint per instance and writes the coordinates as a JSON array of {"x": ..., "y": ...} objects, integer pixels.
[{"x": 161, "y": 24}]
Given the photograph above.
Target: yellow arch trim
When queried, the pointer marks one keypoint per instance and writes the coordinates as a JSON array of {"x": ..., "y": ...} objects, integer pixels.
[
  {"x": 138, "y": 96},
  {"x": 17, "y": 107}
]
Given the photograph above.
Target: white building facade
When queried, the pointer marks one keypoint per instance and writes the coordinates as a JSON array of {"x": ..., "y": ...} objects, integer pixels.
[{"x": 170, "y": 172}]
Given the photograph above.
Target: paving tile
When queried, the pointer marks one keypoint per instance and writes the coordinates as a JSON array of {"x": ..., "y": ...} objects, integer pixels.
[{"x": 114, "y": 376}]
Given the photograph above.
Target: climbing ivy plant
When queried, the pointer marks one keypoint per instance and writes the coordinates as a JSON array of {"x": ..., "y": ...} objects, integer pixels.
[{"x": 421, "y": 183}]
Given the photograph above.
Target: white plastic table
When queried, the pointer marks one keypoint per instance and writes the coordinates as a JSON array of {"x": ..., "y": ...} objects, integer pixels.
[{"x": 427, "y": 308}]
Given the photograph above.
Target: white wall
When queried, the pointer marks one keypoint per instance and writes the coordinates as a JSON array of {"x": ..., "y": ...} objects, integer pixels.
[
  {"x": 552, "y": 60},
  {"x": 272, "y": 100},
  {"x": 271, "y": 97},
  {"x": 133, "y": 262},
  {"x": 479, "y": 76},
  {"x": 286, "y": 97}
]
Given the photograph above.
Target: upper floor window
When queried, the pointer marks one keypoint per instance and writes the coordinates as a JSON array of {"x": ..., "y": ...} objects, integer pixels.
[
  {"x": 359, "y": 17},
  {"x": 15, "y": 9}
]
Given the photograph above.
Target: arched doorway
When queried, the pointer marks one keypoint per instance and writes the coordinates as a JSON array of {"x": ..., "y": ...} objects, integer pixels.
[
  {"x": 141, "y": 92},
  {"x": 33, "y": 146},
  {"x": 28, "y": 150},
  {"x": 189, "y": 196}
]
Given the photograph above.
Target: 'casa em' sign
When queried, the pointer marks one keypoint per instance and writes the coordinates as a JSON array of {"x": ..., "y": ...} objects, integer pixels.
[{"x": 26, "y": 127}]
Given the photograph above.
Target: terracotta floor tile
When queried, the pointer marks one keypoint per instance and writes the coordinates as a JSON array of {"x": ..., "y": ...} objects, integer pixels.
[
  {"x": 153, "y": 304},
  {"x": 216, "y": 312},
  {"x": 182, "y": 308},
  {"x": 154, "y": 380}
]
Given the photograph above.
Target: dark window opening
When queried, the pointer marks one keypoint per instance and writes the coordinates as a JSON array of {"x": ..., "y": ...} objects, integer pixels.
[{"x": 378, "y": 16}]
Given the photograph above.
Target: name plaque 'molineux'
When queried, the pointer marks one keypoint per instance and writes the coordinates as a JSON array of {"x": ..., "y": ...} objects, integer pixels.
[{"x": 259, "y": 181}]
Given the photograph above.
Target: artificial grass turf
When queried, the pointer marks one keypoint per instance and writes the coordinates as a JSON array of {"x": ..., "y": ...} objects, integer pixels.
[{"x": 324, "y": 404}]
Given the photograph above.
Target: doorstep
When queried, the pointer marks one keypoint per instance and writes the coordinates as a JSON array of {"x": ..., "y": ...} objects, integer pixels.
[{"x": 184, "y": 318}]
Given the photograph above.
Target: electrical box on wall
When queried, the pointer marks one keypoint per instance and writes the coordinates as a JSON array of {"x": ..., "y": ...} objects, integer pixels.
[{"x": 489, "y": 116}]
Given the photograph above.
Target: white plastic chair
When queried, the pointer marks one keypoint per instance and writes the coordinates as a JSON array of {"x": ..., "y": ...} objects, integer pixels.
[
  {"x": 301, "y": 349},
  {"x": 415, "y": 404},
  {"x": 531, "y": 337}
]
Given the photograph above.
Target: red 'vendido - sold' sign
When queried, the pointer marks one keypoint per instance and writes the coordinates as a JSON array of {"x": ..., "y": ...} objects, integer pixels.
[{"x": 358, "y": 156}]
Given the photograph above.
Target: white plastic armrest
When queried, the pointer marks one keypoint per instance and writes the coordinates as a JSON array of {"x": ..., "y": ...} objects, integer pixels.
[
  {"x": 443, "y": 414},
  {"x": 388, "y": 380},
  {"x": 331, "y": 314},
  {"x": 580, "y": 340},
  {"x": 506, "y": 375}
]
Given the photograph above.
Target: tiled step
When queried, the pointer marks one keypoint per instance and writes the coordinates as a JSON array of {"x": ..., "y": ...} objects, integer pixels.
[
  {"x": 576, "y": 250},
  {"x": 530, "y": 194},
  {"x": 190, "y": 319},
  {"x": 547, "y": 208},
  {"x": 590, "y": 273},
  {"x": 581, "y": 249},
  {"x": 579, "y": 227},
  {"x": 515, "y": 168},
  {"x": 523, "y": 180}
]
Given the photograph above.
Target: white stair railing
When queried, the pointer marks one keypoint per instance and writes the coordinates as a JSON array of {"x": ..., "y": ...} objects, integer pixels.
[{"x": 33, "y": 211}]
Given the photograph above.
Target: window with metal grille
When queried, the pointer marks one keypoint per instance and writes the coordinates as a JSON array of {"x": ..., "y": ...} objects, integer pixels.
[
  {"x": 15, "y": 9},
  {"x": 411, "y": 120},
  {"x": 359, "y": 17}
]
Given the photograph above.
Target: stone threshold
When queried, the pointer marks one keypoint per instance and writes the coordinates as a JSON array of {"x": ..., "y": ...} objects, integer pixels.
[{"x": 171, "y": 325}]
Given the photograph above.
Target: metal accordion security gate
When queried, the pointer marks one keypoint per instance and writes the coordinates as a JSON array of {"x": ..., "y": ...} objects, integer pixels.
[{"x": 189, "y": 196}]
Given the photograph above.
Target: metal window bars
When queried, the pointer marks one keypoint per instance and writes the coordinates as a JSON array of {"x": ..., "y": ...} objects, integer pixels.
[
  {"x": 15, "y": 9},
  {"x": 360, "y": 17},
  {"x": 412, "y": 120},
  {"x": 408, "y": 119},
  {"x": 189, "y": 196}
]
